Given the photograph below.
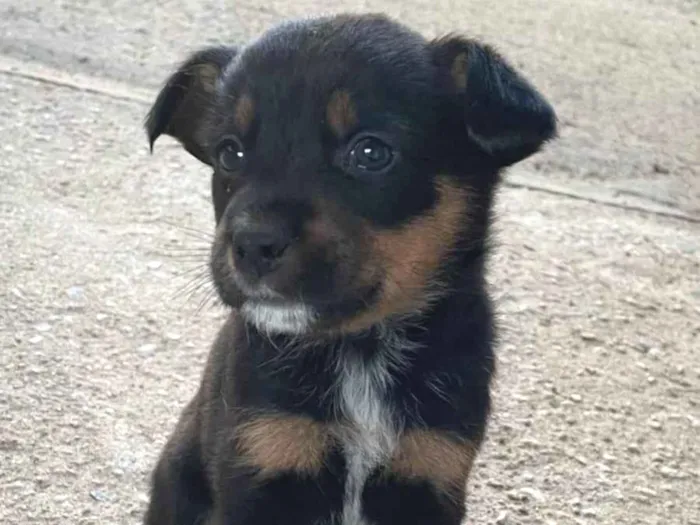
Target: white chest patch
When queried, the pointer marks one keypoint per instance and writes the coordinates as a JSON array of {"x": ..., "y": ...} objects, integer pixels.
[{"x": 373, "y": 429}]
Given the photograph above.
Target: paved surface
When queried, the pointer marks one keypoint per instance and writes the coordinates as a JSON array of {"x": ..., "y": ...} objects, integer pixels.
[{"x": 101, "y": 341}]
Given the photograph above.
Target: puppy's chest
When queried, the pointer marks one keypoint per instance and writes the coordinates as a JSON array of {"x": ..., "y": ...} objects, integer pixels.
[
  {"x": 369, "y": 425},
  {"x": 368, "y": 415}
]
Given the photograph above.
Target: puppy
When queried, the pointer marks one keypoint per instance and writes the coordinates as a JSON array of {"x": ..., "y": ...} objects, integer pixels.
[{"x": 354, "y": 165}]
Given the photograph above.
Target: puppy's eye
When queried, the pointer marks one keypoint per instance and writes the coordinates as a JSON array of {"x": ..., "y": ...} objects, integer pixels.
[
  {"x": 370, "y": 155},
  {"x": 230, "y": 154}
]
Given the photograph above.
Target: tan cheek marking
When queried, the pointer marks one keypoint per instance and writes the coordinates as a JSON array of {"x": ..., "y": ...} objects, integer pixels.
[
  {"x": 412, "y": 255},
  {"x": 229, "y": 258},
  {"x": 341, "y": 113},
  {"x": 244, "y": 113},
  {"x": 220, "y": 230},
  {"x": 331, "y": 226},
  {"x": 220, "y": 239},
  {"x": 283, "y": 443},
  {"x": 337, "y": 234},
  {"x": 322, "y": 230},
  {"x": 459, "y": 69},
  {"x": 430, "y": 455},
  {"x": 416, "y": 251}
]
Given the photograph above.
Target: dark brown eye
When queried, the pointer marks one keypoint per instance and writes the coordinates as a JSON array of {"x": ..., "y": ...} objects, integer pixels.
[
  {"x": 370, "y": 155},
  {"x": 230, "y": 154}
]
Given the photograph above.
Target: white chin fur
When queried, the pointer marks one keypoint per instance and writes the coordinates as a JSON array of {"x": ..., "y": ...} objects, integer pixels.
[{"x": 292, "y": 319}]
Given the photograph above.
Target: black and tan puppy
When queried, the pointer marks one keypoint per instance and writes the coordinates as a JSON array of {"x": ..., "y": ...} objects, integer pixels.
[{"x": 354, "y": 165}]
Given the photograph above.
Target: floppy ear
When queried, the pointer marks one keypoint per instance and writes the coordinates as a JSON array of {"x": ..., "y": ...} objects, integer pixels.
[
  {"x": 182, "y": 106},
  {"x": 505, "y": 116}
]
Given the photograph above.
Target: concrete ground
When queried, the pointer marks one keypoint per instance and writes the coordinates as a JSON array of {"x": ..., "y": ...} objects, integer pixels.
[{"x": 597, "y": 273}]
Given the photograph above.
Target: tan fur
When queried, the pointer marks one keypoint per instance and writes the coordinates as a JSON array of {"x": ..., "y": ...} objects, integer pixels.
[
  {"x": 341, "y": 113},
  {"x": 244, "y": 113},
  {"x": 411, "y": 256},
  {"x": 333, "y": 225},
  {"x": 230, "y": 259},
  {"x": 220, "y": 239},
  {"x": 459, "y": 72},
  {"x": 438, "y": 457},
  {"x": 322, "y": 230},
  {"x": 282, "y": 443}
]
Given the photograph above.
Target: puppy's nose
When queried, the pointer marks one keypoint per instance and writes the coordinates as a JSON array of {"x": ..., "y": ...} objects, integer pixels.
[{"x": 258, "y": 252}]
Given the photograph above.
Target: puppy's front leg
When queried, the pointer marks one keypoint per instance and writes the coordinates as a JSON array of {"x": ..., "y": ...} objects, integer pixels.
[
  {"x": 180, "y": 491},
  {"x": 286, "y": 471},
  {"x": 425, "y": 483}
]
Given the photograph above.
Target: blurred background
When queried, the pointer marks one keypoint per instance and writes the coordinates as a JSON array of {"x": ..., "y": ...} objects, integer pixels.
[{"x": 106, "y": 314}]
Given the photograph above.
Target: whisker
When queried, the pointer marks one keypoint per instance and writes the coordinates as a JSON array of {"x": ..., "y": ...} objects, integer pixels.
[
  {"x": 200, "y": 270},
  {"x": 202, "y": 287},
  {"x": 208, "y": 300},
  {"x": 189, "y": 230},
  {"x": 201, "y": 260},
  {"x": 187, "y": 251},
  {"x": 192, "y": 285}
]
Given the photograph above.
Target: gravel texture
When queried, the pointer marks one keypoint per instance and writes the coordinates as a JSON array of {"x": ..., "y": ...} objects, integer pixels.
[{"x": 105, "y": 321}]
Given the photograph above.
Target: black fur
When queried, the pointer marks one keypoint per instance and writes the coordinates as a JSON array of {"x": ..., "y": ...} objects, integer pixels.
[{"x": 402, "y": 90}]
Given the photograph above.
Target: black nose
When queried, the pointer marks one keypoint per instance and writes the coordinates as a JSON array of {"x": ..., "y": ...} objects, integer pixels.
[{"x": 257, "y": 252}]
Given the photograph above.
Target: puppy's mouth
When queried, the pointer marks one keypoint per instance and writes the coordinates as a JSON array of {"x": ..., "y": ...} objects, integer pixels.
[
  {"x": 279, "y": 317},
  {"x": 272, "y": 314},
  {"x": 292, "y": 302}
]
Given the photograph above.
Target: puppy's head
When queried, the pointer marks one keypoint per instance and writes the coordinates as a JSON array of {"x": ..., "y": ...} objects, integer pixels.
[{"x": 352, "y": 161}]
